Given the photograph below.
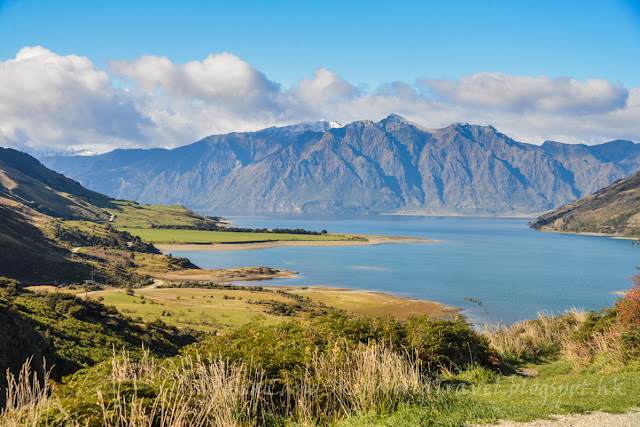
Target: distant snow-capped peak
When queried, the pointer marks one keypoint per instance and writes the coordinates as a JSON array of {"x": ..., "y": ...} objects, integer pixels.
[{"x": 312, "y": 126}]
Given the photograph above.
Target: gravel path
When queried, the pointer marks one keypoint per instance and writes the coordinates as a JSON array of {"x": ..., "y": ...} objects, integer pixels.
[{"x": 589, "y": 419}]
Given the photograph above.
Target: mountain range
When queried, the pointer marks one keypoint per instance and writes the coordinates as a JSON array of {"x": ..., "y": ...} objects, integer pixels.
[{"x": 390, "y": 166}]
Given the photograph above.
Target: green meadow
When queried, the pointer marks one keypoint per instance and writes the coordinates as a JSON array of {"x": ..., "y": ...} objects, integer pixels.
[
  {"x": 200, "y": 309},
  {"x": 210, "y": 237},
  {"x": 130, "y": 214}
]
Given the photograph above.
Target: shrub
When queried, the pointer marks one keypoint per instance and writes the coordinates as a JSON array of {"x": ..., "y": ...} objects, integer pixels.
[
  {"x": 629, "y": 307},
  {"x": 448, "y": 344},
  {"x": 282, "y": 350}
]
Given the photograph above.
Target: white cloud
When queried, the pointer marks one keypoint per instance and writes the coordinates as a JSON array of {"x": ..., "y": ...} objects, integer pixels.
[
  {"x": 325, "y": 86},
  {"x": 61, "y": 102},
  {"x": 222, "y": 78},
  {"x": 55, "y": 102},
  {"x": 523, "y": 93}
]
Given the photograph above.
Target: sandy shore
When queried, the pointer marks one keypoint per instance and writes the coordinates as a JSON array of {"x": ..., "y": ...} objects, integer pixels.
[
  {"x": 373, "y": 303},
  {"x": 228, "y": 275},
  {"x": 584, "y": 233},
  {"x": 371, "y": 240}
]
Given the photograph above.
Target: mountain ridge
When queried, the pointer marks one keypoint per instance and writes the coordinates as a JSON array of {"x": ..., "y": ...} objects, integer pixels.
[{"x": 390, "y": 166}]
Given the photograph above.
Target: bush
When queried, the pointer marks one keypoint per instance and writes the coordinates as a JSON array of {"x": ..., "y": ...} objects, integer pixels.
[
  {"x": 629, "y": 307},
  {"x": 282, "y": 350},
  {"x": 448, "y": 344},
  {"x": 85, "y": 331},
  {"x": 9, "y": 287}
]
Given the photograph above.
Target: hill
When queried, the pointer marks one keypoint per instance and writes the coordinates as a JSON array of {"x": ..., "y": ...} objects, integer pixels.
[
  {"x": 39, "y": 209},
  {"x": 392, "y": 166},
  {"x": 613, "y": 210},
  {"x": 30, "y": 195}
]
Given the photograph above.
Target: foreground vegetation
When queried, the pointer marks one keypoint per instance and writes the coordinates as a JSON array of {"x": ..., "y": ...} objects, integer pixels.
[{"x": 342, "y": 369}]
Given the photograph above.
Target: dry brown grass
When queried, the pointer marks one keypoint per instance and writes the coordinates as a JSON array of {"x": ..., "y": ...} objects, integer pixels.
[
  {"x": 192, "y": 391},
  {"x": 372, "y": 303},
  {"x": 556, "y": 337},
  {"x": 536, "y": 336},
  {"x": 197, "y": 392},
  {"x": 27, "y": 398}
]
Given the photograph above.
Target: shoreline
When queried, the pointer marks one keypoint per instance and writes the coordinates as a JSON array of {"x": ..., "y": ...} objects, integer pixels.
[
  {"x": 371, "y": 240},
  {"x": 240, "y": 274},
  {"x": 591, "y": 234},
  {"x": 399, "y": 307}
]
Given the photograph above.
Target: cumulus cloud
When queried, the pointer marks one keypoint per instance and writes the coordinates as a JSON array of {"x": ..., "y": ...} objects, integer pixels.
[
  {"x": 323, "y": 87},
  {"x": 523, "y": 93},
  {"x": 64, "y": 101},
  {"x": 221, "y": 78},
  {"x": 50, "y": 102}
]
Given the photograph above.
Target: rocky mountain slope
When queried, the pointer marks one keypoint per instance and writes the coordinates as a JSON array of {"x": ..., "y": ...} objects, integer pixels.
[
  {"x": 613, "y": 210},
  {"x": 392, "y": 166}
]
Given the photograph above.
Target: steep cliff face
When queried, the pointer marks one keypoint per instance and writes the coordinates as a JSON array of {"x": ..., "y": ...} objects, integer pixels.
[
  {"x": 392, "y": 166},
  {"x": 613, "y": 210}
]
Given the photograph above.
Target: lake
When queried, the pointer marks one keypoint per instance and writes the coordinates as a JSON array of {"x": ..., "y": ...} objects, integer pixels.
[{"x": 515, "y": 271}]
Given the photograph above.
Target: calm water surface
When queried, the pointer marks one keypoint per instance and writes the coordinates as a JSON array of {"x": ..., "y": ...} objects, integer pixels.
[{"x": 515, "y": 271}]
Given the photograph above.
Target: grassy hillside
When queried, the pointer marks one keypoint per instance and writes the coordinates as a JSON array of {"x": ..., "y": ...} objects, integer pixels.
[
  {"x": 128, "y": 214},
  {"x": 27, "y": 254},
  {"x": 46, "y": 218},
  {"x": 29, "y": 186},
  {"x": 613, "y": 210},
  {"x": 71, "y": 333}
]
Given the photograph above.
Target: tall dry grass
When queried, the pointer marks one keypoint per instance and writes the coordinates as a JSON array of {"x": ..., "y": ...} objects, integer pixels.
[
  {"x": 27, "y": 397},
  {"x": 556, "y": 336},
  {"x": 194, "y": 391},
  {"x": 369, "y": 378},
  {"x": 547, "y": 333}
]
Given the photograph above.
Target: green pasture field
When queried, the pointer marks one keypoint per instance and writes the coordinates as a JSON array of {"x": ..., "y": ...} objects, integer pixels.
[
  {"x": 208, "y": 237},
  {"x": 200, "y": 309},
  {"x": 129, "y": 214}
]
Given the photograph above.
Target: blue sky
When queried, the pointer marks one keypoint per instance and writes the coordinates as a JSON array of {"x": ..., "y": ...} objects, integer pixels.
[
  {"x": 366, "y": 42},
  {"x": 400, "y": 54}
]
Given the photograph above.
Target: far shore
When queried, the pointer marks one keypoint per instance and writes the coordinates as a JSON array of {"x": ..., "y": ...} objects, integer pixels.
[
  {"x": 585, "y": 233},
  {"x": 371, "y": 240}
]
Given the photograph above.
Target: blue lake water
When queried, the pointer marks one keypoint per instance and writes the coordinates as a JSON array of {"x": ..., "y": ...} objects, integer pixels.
[{"x": 515, "y": 271}]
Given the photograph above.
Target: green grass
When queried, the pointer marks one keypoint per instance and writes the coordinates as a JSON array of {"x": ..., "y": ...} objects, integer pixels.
[
  {"x": 129, "y": 214},
  {"x": 201, "y": 309},
  {"x": 209, "y": 237},
  {"x": 86, "y": 331},
  {"x": 514, "y": 398},
  {"x": 208, "y": 310}
]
